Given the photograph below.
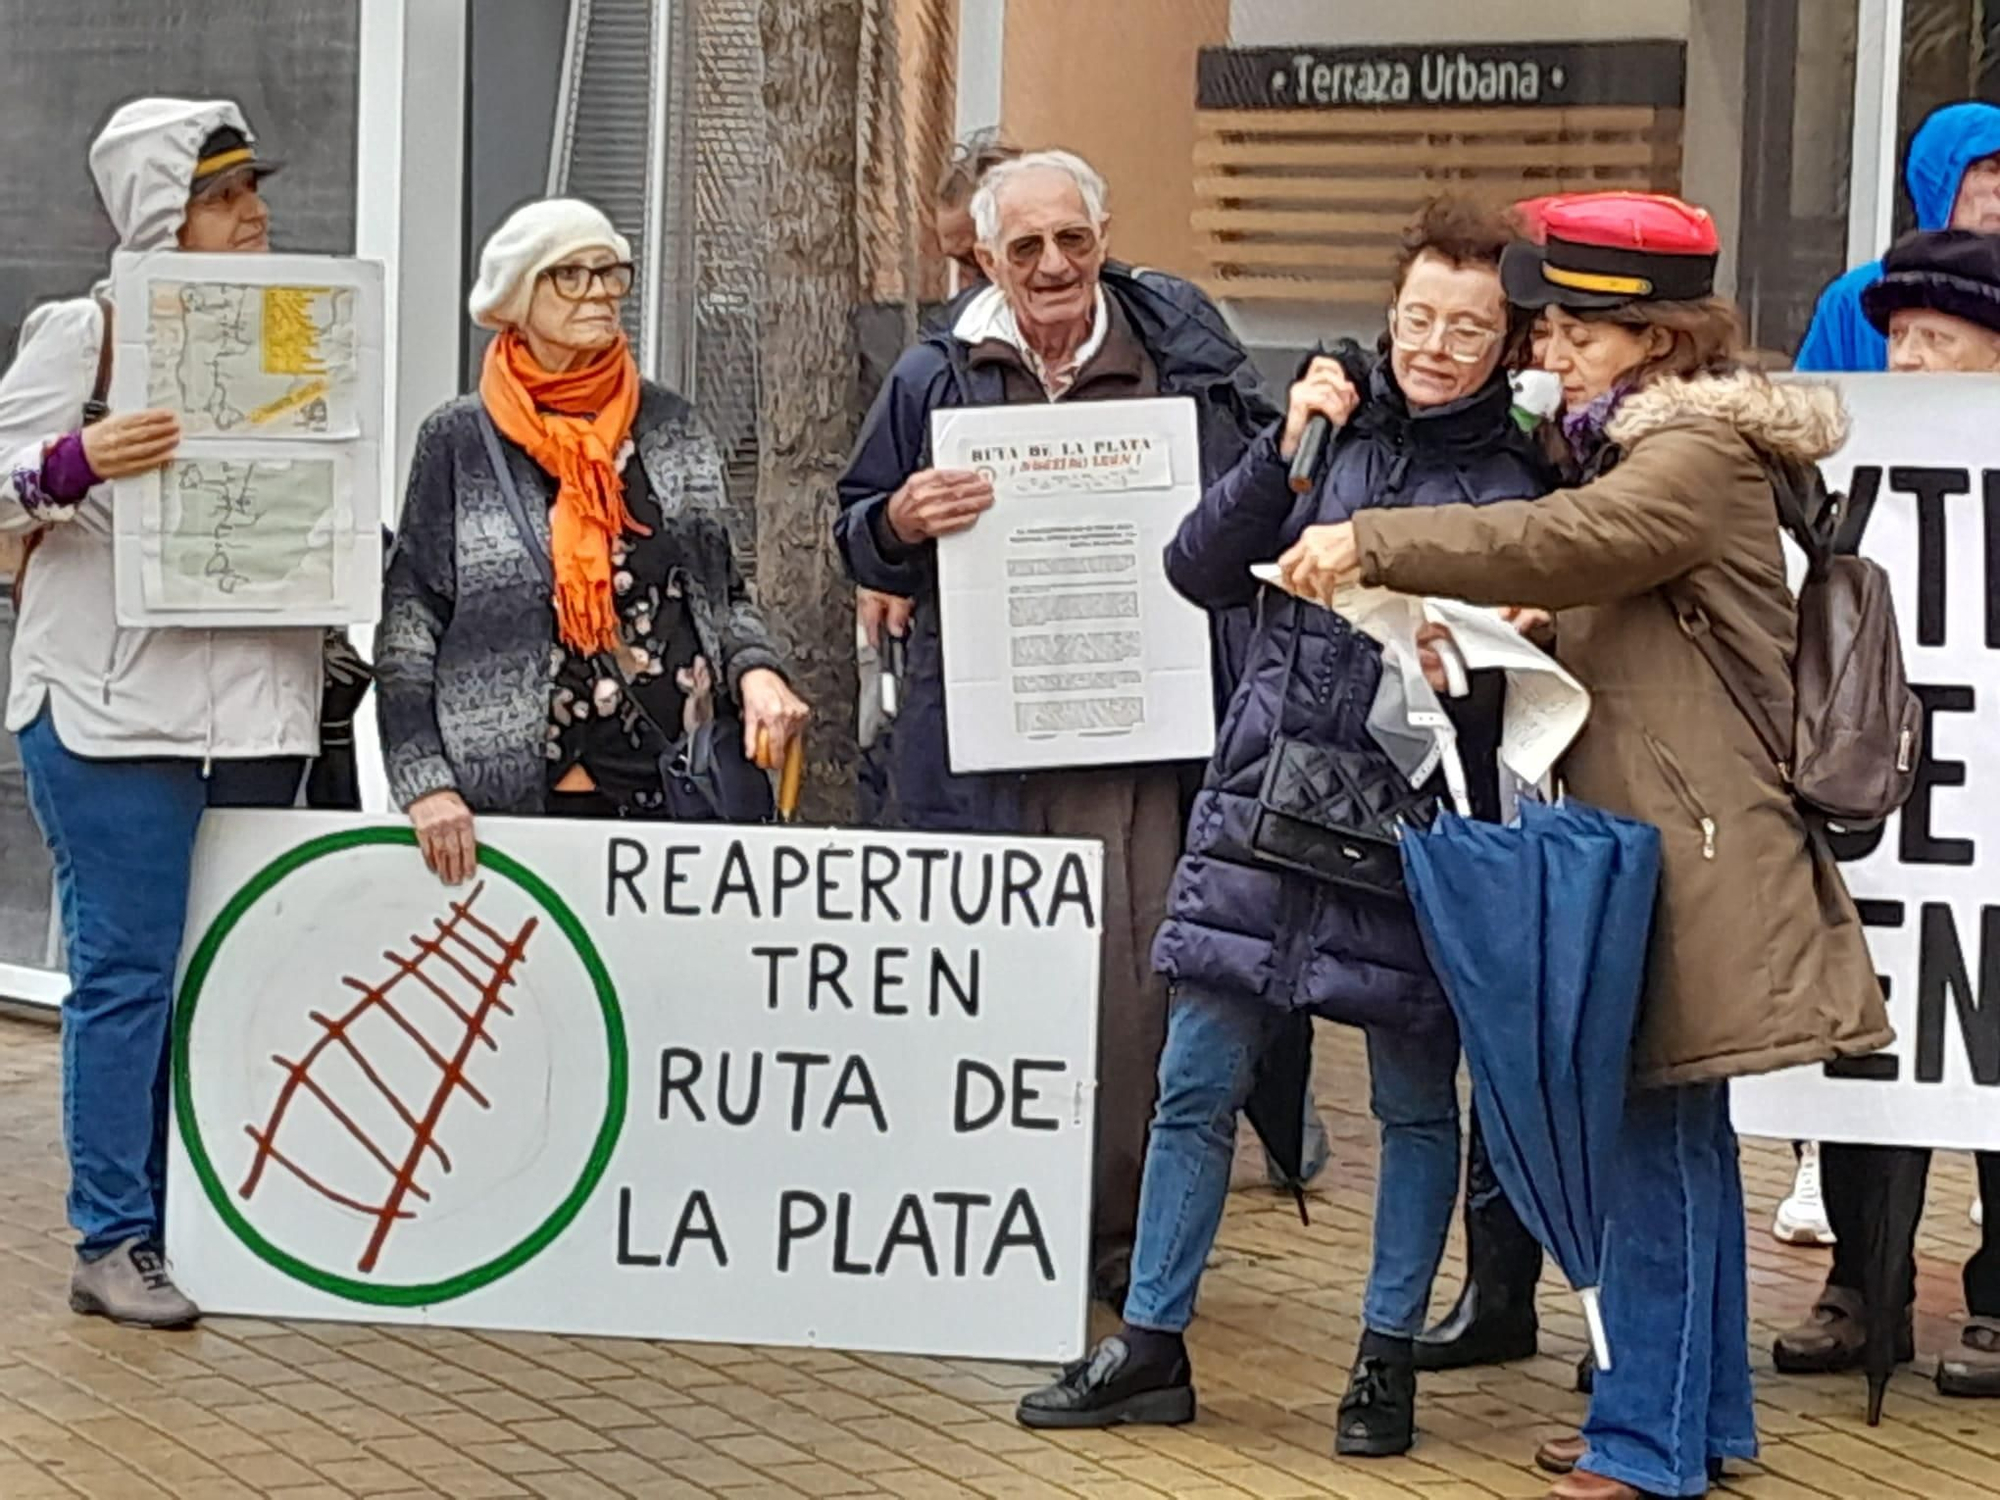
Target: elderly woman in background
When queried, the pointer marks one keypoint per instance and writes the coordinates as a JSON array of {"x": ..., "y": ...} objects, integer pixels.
[
  {"x": 1253, "y": 937},
  {"x": 564, "y": 627}
]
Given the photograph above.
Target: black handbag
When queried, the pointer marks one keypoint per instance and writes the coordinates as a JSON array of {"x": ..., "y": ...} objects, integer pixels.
[
  {"x": 1336, "y": 814},
  {"x": 704, "y": 774}
]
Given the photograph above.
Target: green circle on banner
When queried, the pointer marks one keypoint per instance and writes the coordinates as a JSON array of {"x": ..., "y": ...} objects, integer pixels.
[{"x": 617, "y": 1058}]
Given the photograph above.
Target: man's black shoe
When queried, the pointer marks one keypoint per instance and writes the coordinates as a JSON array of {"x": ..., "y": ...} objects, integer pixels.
[
  {"x": 1112, "y": 1386},
  {"x": 1481, "y": 1329},
  {"x": 1378, "y": 1415}
]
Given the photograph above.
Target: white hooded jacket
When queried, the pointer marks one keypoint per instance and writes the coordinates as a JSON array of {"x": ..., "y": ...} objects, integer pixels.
[{"x": 111, "y": 691}]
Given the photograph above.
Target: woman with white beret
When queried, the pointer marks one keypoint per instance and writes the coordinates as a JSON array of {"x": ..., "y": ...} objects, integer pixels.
[{"x": 564, "y": 628}]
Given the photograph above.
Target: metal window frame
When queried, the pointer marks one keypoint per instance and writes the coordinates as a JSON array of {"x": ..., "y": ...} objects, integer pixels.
[
  {"x": 1878, "y": 86},
  {"x": 982, "y": 52},
  {"x": 666, "y": 233}
]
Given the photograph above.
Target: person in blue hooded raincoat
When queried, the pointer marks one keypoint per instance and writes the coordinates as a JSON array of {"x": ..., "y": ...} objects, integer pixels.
[{"x": 1953, "y": 174}]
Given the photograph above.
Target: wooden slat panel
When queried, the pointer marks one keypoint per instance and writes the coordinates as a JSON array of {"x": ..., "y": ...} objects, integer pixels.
[
  {"x": 1335, "y": 122},
  {"x": 1404, "y": 189},
  {"x": 1409, "y": 188},
  {"x": 1373, "y": 292},
  {"x": 1308, "y": 205},
  {"x": 1366, "y": 257},
  {"x": 1395, "y": 156},
  {"x": 1303, "y": 222}
]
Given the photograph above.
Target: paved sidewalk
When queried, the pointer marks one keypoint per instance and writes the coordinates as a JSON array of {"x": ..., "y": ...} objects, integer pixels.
[{"x": 321, "y": 1412}]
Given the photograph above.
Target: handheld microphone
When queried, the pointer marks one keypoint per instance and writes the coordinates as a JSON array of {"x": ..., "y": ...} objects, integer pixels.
[{"x": 1312, "y": 442}]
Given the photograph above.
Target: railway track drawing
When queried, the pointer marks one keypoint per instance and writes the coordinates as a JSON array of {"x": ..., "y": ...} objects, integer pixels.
[{"x": 444, "y": 999}]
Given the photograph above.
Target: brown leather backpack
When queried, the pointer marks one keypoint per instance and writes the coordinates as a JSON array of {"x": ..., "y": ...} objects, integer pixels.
[{"x": 1850, "y": 753}]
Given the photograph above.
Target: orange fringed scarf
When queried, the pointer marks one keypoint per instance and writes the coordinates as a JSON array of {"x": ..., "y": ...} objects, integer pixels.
[{"x": 573, "y": 425}]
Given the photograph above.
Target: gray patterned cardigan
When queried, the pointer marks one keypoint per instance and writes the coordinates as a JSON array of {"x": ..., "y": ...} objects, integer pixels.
[{"x": 463, "y": 653}]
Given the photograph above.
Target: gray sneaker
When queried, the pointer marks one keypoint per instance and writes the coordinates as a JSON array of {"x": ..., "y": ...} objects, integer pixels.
[{"x": 130, "y": 1285}]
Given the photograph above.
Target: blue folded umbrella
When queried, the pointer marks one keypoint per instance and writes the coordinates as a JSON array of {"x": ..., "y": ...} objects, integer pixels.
[{"x": 1538, "y": 933}]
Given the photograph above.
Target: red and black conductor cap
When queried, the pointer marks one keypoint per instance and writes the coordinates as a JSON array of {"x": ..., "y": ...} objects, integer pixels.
[{"x": 1593, "y": 251}]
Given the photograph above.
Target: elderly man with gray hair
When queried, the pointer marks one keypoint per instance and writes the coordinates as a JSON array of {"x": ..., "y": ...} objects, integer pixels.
[{"x": 1060, "y": 322}]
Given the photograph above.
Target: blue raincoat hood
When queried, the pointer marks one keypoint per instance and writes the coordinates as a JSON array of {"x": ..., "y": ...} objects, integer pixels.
[
  {"x": 1952, "y": 139},
  {"x": 1946, "y": 144}
]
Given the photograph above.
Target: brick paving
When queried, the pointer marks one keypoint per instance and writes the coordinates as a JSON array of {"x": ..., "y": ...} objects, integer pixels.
[{"x": 322, "y": 1412}]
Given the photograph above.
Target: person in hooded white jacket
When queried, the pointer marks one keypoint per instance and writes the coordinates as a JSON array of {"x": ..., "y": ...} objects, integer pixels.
[{"x": 127, "y": 735}]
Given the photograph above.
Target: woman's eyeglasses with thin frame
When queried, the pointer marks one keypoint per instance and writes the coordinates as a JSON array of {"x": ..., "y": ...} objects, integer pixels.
[{"x": 1410, "y": 329}]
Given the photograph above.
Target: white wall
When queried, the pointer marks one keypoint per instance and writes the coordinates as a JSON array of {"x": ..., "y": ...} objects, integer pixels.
[
  {"x": 409, "y": 214},
  {"x": 982, "y": 43},
  {"x": 1360, "y": 23}
]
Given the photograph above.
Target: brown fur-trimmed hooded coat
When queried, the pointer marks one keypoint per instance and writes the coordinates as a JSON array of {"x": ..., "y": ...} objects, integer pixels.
[{"x": 1758, "y": 960}]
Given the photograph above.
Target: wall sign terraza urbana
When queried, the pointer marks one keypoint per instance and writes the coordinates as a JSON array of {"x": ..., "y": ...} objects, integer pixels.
[{"x": 1649, "y": 73}]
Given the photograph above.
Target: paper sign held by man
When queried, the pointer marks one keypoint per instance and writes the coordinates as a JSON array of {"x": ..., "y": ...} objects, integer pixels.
[{"x": 1064, "y": 644}]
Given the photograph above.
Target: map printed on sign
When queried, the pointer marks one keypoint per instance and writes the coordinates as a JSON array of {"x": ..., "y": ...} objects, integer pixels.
[
  {"x": 242, "y": 532},
  {"x": 237, "y": 358},
  {"x": 270, "y": 511}
]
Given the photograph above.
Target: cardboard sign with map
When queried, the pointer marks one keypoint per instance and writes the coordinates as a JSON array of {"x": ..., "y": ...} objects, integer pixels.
[{"x": 270, "y": 511}]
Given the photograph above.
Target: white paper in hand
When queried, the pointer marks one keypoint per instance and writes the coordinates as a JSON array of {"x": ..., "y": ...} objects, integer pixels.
[
  {"x": 1064, "y": 644},
  {"x": 1546, "y": 706}
]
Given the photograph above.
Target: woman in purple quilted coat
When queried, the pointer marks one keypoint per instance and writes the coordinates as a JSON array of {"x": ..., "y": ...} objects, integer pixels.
[{"x": 1250, "y": 945}]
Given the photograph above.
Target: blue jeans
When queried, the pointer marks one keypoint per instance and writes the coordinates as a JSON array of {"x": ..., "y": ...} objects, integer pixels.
[
  {"x": 122, "y": 834},
  {"x": 1413, "y": 1093},
  {"x": 1206, "y": 1071},
  {"x": 1676, "y": 1298}
]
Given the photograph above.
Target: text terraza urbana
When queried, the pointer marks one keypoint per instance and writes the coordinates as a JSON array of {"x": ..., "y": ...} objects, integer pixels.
[{"x": 1437, "y": 78}]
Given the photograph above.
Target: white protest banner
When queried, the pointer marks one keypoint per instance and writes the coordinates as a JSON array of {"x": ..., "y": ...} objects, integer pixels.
[
  {"x": 1064, "y": 644},
  {"x": 270, "y": 512},
  {"x": 756, "y": 1085},
  {"x": 1922, "y": 467}
]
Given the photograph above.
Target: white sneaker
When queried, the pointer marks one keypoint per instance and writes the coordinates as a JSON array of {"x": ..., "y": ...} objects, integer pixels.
[
  {"x": 1801, "y": 1218},
  {"x": 1978, "y": 1214}
]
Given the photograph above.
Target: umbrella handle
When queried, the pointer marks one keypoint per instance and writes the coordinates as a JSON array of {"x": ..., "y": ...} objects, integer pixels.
[
  {"x": 791, "y": 770},
  {"x": 792, "y": 778},
  {"x": 1593, "y": 1317},
  {"x": 1457, "y": 681}
]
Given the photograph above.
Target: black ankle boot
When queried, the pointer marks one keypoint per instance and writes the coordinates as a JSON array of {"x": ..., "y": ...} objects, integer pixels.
[
  {"x": 1494, "y": 1319},
  {"x": 1378, "y": 1415}
]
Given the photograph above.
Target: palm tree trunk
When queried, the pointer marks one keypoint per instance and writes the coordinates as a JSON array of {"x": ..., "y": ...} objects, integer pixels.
[{"x": 811, "y": 74}]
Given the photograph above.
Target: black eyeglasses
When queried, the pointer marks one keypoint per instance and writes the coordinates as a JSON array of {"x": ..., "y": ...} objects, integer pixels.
[{"x": 577, "y": 283}]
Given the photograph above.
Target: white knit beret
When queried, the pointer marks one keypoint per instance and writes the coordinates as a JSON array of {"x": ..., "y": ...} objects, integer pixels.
[{"x": 536, "y": 236}]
